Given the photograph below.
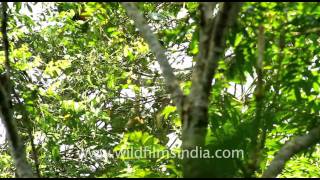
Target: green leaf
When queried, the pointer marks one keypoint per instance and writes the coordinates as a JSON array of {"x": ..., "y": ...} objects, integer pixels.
[
  {"x": 18, "y": 6},
  {"x": 238, "y": 39},
  {"x": 55, "y": 153},
  {"x": 168, "y": 110}
]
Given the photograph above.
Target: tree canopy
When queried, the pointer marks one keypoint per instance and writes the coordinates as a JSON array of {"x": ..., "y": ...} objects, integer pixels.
[{"x": 82, "y": 82}]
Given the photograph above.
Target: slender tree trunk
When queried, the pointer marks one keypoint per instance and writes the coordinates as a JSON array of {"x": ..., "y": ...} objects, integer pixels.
[{"x": 23, "y": 169}]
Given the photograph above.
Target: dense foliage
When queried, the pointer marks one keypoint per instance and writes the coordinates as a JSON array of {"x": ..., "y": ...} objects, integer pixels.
[{"x": 86, "y": 85}]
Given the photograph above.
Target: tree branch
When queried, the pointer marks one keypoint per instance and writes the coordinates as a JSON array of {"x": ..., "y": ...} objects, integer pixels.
[
  {"x": 289, "y": 149},
  {"x": 157, "y": 49}
]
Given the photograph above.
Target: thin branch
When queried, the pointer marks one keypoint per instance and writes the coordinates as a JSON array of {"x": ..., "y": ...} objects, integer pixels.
[
  {"x": 155, "y": 46},
  {"x": 289, "y": 149}
]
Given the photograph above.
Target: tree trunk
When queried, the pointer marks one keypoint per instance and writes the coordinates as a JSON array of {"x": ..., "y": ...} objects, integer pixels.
[
  {"x": 213, "y": 30},
  {"x": 193, "y": 109},
  {"x": 195, "y": 123},
  {"x": 23, "y": 169}
]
